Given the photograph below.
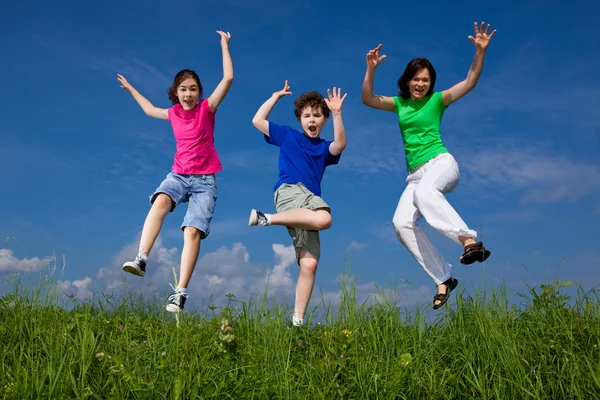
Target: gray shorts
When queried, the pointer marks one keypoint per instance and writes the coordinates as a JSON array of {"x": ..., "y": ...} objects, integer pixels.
[{"x": 289, "y": 197}]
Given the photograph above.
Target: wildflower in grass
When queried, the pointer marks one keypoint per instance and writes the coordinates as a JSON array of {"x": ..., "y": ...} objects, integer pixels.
[
  {"x": 347, "y": 333},
  {"x": 225, "y": 337}
]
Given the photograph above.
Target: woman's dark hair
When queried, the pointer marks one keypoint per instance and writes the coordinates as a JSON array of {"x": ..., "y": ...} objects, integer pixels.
[
  {"x": 414, "y": 66},
  {"x": 180, "y": 77},
  {"x": 312, "y": 99}
]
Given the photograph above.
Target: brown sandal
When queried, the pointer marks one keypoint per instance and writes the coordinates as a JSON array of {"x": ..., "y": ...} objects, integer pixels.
[
  {"x": 450, "y": 284},
  {"x": 475, "y": 252}
]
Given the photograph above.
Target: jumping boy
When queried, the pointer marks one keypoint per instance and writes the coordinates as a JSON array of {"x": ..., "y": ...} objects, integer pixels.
[{"x": 303, "y": 157}]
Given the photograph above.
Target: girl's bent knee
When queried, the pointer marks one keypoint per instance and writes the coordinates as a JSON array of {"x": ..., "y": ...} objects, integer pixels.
[
  {"x": 163, "y": 202},
  {"x": 192, "y": 233}
]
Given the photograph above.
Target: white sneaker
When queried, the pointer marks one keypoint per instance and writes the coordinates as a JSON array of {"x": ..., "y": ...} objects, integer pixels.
[
  {"x": 176, "y": 301},
  {"x": 257, "y": 218},
  {"x": 136, "y": 267}
]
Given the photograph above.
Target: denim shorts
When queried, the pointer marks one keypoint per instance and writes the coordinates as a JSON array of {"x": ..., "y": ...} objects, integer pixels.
[{"x": 201, "y": 193}]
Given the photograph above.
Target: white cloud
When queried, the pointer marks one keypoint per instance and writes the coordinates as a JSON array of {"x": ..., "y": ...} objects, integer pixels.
[
  {"x": 384, "y": 230},
  {"x": 9, "y": 263},
  {"x": 404, "y": 295},
  {"x": 226, "y": 270},
  {"x": 515, "y": 216},
  {"x": 377, "y": 150},
  {"x": 543, "y": 176},
  {"x": 354, "y": 245},
  {"x": 81, "y": 289}
]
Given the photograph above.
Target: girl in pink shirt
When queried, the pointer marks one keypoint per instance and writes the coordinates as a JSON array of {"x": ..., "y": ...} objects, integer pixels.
[{"x": 192, "y": 178}]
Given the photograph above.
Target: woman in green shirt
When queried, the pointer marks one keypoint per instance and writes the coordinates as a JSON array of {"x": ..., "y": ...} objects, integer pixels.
[{"x": 432, "y": 171}]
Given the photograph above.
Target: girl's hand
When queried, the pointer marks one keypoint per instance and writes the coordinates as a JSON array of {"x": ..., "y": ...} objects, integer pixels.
[
  {"x": 124, "y": 84},
  {"x": 482, "y": 38},
  {"x": 225, "y": 37},
  {"x": 283, "y": 92},
  {"x": 334, "y": 102},
  {"x": 373, "y": 58}
]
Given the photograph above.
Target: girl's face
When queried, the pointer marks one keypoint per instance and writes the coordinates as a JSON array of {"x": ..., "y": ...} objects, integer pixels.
[
  {"x": 188, "y": 93},
  {"x": 419, "y": 84}
]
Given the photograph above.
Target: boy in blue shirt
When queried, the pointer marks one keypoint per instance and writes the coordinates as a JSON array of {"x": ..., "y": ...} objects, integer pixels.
[{"x": 303, "y": 157}]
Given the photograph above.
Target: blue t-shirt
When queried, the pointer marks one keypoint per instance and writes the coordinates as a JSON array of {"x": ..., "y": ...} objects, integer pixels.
[{"x": 301, "y": 159}]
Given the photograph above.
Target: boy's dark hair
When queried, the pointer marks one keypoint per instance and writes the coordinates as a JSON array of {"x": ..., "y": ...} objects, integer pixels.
[
  {"x": 311, "y": 99},
  {"x": 414, "y": 66},
  {"x": 180, "y": 77}
]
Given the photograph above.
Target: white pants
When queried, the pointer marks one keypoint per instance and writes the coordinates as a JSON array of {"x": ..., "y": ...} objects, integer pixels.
[{"x": 424, "y": 197}]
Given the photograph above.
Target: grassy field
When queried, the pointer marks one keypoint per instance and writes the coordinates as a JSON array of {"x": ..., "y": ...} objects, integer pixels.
[{"x": 481, "y": 347}]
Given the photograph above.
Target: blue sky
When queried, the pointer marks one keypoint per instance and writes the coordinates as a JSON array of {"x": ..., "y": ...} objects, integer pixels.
[{"x": 79, "y": 158}]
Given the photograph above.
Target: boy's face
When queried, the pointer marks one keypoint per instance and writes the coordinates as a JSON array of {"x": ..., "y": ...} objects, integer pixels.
[{"x": 312, "y": 121}]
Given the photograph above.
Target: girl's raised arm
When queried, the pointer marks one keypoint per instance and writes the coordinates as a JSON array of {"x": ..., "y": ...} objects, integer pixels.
[
  {"x": 149, "y": 109},
  {"x": 223, "y": 87}
]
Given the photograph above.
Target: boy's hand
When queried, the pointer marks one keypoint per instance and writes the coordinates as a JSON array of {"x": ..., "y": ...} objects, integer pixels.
[
  {"x": 334, "y": 101},
  {"x": 225, "y": 37},
  {"x": 283, "y": 92},
  {"x": 124, "y": 84}
]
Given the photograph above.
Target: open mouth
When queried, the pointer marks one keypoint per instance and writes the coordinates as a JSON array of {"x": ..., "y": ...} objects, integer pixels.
[{"x": 312, "y": 129}]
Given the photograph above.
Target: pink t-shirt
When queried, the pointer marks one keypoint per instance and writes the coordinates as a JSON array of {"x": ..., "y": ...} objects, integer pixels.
[{"x": 194, "y": 136}]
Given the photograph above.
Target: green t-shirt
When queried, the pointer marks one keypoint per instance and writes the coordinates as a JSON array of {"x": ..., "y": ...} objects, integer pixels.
[{"x": 419, "y": 122}]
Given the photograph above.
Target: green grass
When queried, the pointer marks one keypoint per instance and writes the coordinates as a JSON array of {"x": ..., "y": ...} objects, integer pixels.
[{"x": 482, "y": 347}]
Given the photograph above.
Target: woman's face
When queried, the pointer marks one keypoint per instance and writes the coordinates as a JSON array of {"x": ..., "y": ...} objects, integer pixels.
[{"x": 419, "y": 84}]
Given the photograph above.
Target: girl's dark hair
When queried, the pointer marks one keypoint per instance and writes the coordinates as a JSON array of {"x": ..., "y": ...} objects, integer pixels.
[
  {"x": 180, "y": 77},
  {"x": 414, "y": 66},
  {"x": 312, "y": 99}
]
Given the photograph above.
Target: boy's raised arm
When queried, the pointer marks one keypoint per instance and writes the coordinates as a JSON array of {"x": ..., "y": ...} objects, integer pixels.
[
  {"x": 260, "y": 121},
  {"x": 334, "y": 102}
]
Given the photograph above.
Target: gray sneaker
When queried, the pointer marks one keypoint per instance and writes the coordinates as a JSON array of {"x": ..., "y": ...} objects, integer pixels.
[
  {"x": 136, "y": 267},
  {"x": 257, "y": 218}
]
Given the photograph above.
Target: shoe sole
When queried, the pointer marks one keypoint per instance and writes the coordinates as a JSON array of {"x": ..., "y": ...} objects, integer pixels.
[
  {"x": 253, "y": 220},
  {"x": 133, "y": 270},
  {"x": 486, "y": 254},
  {"x": 172, "y": 308}
]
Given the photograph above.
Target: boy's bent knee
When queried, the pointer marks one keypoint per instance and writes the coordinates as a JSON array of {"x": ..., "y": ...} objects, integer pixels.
[
  {"x": 307, "y": 262},
  {"x": 323, "y": 220}
]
